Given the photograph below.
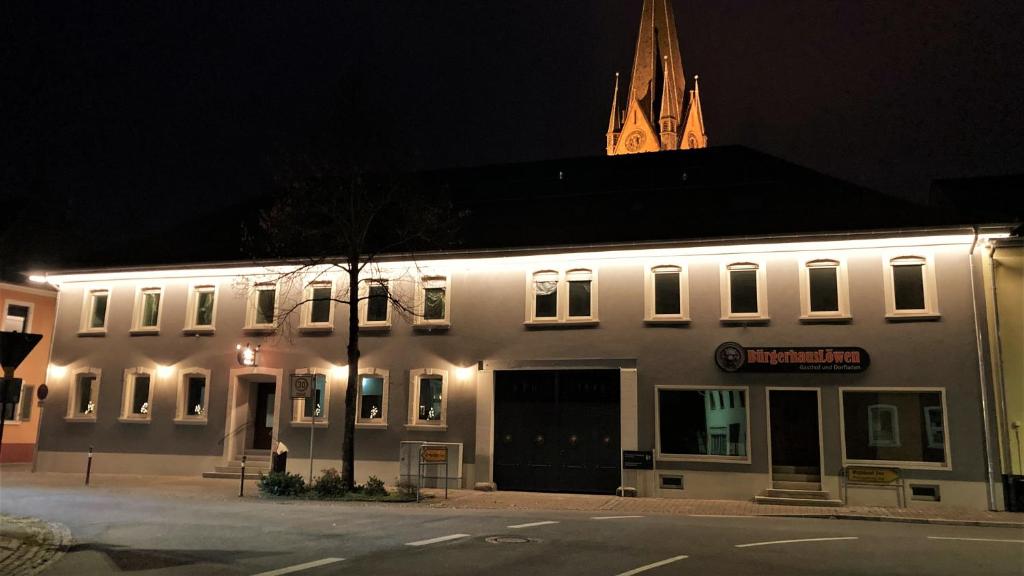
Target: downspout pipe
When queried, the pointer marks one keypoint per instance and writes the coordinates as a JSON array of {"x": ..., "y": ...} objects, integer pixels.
[{"x": 982, "y": 382}]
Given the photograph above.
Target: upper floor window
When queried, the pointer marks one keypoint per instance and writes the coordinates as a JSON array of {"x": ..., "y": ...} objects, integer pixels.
[
  {"x": 95, "y": 311},
  {"x": 824, "y": 290},
  {"x": 202, "y": 308},
  {"x": 666, "y": 294},
  {"x": 318, "y": 306},
  {"x": 22, "y": 411},
  {"x": 554, "y": 297},
  {"x": 305, "y": 410},
  {"x": 372, "y": 398},
  {"x": 193, "y": 396},
  {"x": 84, "y": 393},
  {"x": 428, "y": 399},
  {"x": 433, "y": 302},
  {"x": 744, "y": 295},
  {"x": 138, "y": 395},
  {"x": 146, "y": 317},
  {"x": 375, "y": 304},
  {"x": 910, "y": 287},
  {"x": 262, "y": 309},
  {"x": 17, "y": 317}
]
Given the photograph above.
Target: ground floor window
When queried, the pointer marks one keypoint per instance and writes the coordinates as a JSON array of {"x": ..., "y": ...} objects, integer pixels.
[
  {"x": 193, "y": 396},
  {"x": 702, "y": 422},
  {"x": 85, "y": 388},
  {"x": 894, "y": 426},
  {"x": 138, "y": 394},
  {"x": 372, "y": 398}
]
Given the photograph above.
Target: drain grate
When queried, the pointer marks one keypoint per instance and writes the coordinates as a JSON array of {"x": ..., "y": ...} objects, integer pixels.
[{"x": 509, "y": 540}]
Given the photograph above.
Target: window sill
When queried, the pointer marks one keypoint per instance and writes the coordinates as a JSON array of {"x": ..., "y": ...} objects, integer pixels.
[
  {"x": 699, "y": 458},
  {"x": 89, "y": 419},
  {"x": 92, "y": 332},
  {"x": 306, "y": 423},
  {"x": 428, "y": 326},
  {"x": 259, "y": 329},
  {"x": 375, "y": 327},
  {"x": 837, "y": 319},
  {"x": 144, "y": 331},
  {"x": 12, "y": 422},
  {"x": 129, "y": 420},
  {"x": 372, "y": 425},
  {"x": 666, "y": 321},
  {"x": 745, "y": 319},
  {"x": 315, "y": 328},
  {"x": 560, "y": 323},
  {"x": 427, "y": 427},
  {"x": 198, "y": 331},
  {"x": 943, "y": 466},
  {"x": 190, "y": 421},
  {"x": 912, "y": 317}
]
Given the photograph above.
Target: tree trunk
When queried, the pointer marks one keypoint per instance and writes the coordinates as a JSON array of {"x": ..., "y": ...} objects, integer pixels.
[{"x": 348, "y": 459}]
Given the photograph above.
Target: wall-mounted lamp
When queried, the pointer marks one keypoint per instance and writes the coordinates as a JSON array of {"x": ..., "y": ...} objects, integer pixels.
[
  {"x": 164, "y": 371},
  {"x": 339, "y": 371},
  {"x": 37, "y": 278},
  {"x": 247, "y": 355},
  {"x": 57, "y": 371},
  {"x": 464, "y": 373}
]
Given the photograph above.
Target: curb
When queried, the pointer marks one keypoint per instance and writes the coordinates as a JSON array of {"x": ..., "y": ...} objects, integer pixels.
[{"x": 934, "y": 521}]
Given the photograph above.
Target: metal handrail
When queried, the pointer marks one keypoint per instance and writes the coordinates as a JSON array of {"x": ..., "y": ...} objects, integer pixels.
[{"x": 232, "y": 433}]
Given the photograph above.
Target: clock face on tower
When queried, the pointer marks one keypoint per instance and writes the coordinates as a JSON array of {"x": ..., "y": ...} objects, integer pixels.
[{"x": 634, "y": 141}]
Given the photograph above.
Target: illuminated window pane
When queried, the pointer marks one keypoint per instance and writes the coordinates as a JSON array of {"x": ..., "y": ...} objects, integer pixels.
[
  {"x": 316, "y": 405},
  {"x": 431, "y": 390},
  {"x": 371, "y": 389}
]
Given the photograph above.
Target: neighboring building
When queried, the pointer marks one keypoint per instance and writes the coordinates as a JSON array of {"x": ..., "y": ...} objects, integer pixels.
[
  {"x": 658, "y": 113},
  {"x": 26, "y": 309},
  {"x": 755, "y": 324}
]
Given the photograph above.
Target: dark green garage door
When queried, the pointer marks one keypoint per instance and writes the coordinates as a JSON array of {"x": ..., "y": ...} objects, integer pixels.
[{"x": 557, "y": 430}]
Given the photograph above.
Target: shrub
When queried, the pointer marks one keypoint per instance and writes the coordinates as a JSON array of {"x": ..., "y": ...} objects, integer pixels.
[
  {"x": 281, "y": 484},
  {"x": 374, "y": 487},
  {"x": 330, "y": 484}
]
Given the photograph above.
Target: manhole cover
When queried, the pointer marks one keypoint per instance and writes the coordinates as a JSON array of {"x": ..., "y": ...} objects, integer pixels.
[{"x": 509, "y": 540}]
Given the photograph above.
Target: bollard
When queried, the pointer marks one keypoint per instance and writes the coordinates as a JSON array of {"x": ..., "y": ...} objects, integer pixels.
[
  {"x": 241, "y": 483},
  {"x": 88, "y": 467}
]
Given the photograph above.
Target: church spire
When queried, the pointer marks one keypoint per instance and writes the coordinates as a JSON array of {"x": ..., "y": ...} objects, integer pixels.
[
  {"x": 657, "y": 84},
  {"x": 693, "y": 131},
  {"x": 614, "y": 123}
]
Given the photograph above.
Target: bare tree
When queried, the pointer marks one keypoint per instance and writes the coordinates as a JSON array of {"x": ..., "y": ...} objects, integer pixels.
[{"x": 328, "y": 220}]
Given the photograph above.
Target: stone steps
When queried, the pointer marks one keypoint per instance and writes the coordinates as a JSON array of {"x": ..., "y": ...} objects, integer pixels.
[
  {"x": 256, "y": 462},
  {"x": 801, "y": 494},
  {"x": 794, "y": 501},
  {"x": 784, "y": 485}
]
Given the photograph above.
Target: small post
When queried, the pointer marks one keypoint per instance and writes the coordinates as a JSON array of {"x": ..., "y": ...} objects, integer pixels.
[
  {"x": 312, "y": 428},
  {"x": 446, "y": 477},
  {"x": 88, "y": 466},
  {"x": 241, "y": 482}
]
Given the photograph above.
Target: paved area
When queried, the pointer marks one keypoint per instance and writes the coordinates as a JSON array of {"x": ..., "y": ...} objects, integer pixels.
[{"x": 29, "y": 545}]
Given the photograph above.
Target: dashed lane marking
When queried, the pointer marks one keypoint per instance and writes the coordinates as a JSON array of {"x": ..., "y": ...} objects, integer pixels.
[
  {"x": 653, "y": 565},
  {"x": 976, "y": 539},
  {"x": 612, "y": 517},
  {"x": 436, "y": 540},
  {"x": 300, "y": 567},
  {"x": 532, "y": 524},
  {"x": 795, "y": 541}
]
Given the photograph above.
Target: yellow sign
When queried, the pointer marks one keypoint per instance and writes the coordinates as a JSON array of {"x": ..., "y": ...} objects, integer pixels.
[
  {"x": 872, "y": 475},
  {"x": 434, "y": 454}
]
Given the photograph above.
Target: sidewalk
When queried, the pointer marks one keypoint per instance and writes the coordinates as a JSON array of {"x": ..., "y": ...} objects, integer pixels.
[{"x": 28, "y": 545}]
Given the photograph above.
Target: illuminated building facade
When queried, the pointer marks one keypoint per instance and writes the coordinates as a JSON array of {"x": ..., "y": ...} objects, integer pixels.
[{"x": 758, "y": 327}]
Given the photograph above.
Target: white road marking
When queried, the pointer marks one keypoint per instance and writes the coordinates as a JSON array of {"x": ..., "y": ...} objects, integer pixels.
[
  {"x": 300, "y": 567},
  {"x": 795, "y": 541},
  {"x": 724, "y": 516},
  {"x": 612, "y": 517},
  {"x": 436, "y": 540},
  {"x": 532, "y": 524},
  {"x": 652, "y": 566},
  {"x": 975, "y": 539}
]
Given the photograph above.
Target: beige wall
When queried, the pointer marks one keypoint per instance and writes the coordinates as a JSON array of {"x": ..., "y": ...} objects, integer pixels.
[{"x": 1006, "y": 323}]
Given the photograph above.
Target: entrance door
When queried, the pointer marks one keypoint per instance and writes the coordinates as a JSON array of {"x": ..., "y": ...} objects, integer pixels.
[
  {"x": 263, "y": 429},
  {"x": 557, "y": 430},
  {"x": 796, "y": 450}
]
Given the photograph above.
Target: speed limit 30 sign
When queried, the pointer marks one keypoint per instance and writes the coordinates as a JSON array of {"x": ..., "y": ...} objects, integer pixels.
[{"x": 302, "y": 385}]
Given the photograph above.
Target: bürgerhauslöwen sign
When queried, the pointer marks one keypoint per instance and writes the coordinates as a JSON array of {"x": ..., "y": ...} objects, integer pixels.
[{"x": 732, "y": 357}]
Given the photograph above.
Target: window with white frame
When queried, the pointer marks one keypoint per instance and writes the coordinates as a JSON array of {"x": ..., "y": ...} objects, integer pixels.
[
  {"x": 554, "y": 296},
  {"x": 375, "y": 304},
  {"x": 744, "y": 290},
  {"x": 95, "y": 309},
  {"x": 17, "y": 316},
  {"x": 894, "y": 426},
  {"x": 695, "y": 423},
  {"x": 318, "y": 306},
  {"x": 666, "y": 297},
  {"x": 138, "y": 394},
  {"x": 22, "y": 411},
  {"x": 193, "y": 396},
  {"x": 146, "y": 317},
  {"x": 910, "y": 286},
  {"x": 202, "y": 308},
  {"x": 372, "y": 398},
  {"x": 428, "y": 398},
  {"x": 824, "y": 289},
  {"x": 433, "y": 302},
  {"x": 304, "y": 410},
  {"x": 262, "y": 309},
  {"x": 83, "y": 398}
]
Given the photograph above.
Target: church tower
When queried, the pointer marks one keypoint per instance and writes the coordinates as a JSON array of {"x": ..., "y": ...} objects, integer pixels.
[{"x": 657, "y": 85}]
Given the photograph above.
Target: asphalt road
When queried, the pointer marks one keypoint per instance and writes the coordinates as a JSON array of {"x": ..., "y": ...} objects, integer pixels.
[{"x": 151, "y": 532}]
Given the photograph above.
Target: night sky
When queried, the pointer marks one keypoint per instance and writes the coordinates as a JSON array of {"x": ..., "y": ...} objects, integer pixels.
[{"x": 123, "y": 114}]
